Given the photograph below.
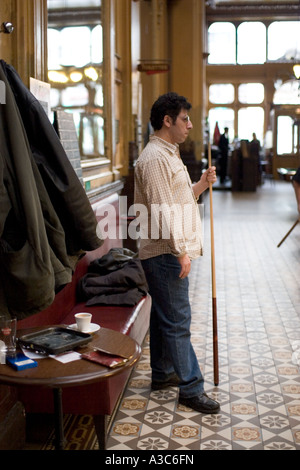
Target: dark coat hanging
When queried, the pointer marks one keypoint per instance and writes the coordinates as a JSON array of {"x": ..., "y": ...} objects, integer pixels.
[{"x": 46, "y": 220}]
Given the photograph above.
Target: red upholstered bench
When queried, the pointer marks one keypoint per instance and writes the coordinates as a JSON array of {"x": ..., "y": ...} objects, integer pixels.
[{"x": 97, "y": 399}]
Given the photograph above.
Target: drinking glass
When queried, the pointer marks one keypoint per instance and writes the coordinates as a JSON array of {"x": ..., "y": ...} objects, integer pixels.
[{"x": 8, "y": 331}]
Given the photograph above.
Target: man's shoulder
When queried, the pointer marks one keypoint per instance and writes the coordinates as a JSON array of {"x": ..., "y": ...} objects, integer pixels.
[
  {"x": 151, "y": 152},
  {"x": 157, "y": 149}
]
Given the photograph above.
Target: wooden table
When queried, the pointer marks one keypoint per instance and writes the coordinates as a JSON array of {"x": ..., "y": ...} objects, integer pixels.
[
  {"x": 286, "y": 173},
  {"x": 52, "y": 374}
]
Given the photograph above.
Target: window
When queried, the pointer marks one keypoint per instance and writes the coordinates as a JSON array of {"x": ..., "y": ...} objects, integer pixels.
[
  {"x": 97, "y": 45},
  {"x": 224, "y": 117},
  {"x": 288, "y": 93},
  {"x": 240, "y": 106},
  {"x": 74, "y": 96},
  {"x": 221, "y": 93},
  {"x": 251, "y": 120},
  {"x": 75, "y": 46},
  {"x": 284, "y": 40},
  {"x": 252, "y": 43},
  {"x": 284, "y": 135},
  {"x": 92, "y": 134},
  {"x": 53, "y": 49},
  {"x": 52, "y": 4},
  {"x": 251, "y": 93},
  {"x": 251, "y": 40},
  {"x": 75, "y": 58},
  {"x": 221, "y": 43}
]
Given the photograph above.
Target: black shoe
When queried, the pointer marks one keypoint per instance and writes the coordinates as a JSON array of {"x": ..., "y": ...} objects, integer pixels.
[
  {"x": 172, "y": 381},
  {"x": 201, "y": 403}
]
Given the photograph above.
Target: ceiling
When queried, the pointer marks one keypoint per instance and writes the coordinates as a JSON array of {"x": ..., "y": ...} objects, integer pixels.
[
  {"x": 253, "y": 9},
  {"x": 251, "y": 2}
]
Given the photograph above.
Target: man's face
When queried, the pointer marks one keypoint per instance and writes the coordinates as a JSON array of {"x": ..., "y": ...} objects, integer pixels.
[{"x": 181, "y": 128}]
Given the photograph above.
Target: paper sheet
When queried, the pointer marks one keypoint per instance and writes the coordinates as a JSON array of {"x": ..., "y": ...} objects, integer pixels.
[{"x": 64, "y": 358}]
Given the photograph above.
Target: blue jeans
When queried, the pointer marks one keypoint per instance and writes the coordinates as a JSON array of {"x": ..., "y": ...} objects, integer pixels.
[{"x": 170, "y": 338}]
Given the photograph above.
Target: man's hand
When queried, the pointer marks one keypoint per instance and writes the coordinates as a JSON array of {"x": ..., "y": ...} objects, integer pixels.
[
  {"x": 209, "y": 176},
  {"x": 185, "y": 263}
]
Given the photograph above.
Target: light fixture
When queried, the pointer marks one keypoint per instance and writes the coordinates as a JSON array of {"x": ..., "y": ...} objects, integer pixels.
[
  {"x": 91, "y": 72},
  {"x": 73, "y": 76},
  {"x": 57, "y": 77},
  {"x": 76, "y": 76},
  {"x": 296, "y": 70}
]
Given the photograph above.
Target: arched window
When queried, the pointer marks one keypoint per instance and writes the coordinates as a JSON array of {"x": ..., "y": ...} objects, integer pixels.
[
  {"x": 251, "y": 43},
  {"x": 284, "y": 40},
  {"x": 221, "y": 43}
]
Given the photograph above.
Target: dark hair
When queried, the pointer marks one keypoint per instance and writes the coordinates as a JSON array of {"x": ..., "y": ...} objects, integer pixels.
[{"x": 169, "y": 104}]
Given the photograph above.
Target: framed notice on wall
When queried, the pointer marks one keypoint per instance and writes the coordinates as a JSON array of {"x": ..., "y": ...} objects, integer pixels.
[{"x": 41, "y": 90}]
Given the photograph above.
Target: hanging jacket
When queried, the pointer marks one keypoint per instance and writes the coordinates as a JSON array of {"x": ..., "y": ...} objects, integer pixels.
[
  {"x": 67, "y": 195},
  {"x": 36, "y": 244}
]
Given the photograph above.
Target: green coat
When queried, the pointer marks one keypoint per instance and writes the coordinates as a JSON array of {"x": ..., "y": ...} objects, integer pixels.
[{"x": 34, "y": 258}]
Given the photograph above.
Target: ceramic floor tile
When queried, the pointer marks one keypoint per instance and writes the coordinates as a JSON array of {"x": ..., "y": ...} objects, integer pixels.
[{"x": 258, "y": 309}]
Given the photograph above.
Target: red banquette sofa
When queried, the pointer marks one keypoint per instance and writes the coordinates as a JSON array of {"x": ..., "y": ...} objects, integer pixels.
[{"x": 97, "y": 399}]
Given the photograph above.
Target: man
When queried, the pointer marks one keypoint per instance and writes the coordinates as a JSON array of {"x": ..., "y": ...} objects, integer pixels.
[
  {"x": 296, "y": 185},
  {"x": 223, "y": 146},
  {"x": 162, "y": 182}
]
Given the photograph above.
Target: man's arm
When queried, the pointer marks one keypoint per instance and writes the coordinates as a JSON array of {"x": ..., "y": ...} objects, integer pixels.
[{"x": 209, "y": 176}]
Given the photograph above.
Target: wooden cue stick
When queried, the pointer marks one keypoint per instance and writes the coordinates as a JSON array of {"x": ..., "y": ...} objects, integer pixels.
[
  {"x": 297, "y": 221},
  {"x": 213, "y": 273}
]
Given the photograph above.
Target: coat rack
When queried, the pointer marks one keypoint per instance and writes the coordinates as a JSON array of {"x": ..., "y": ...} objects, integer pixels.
[{"x": 6, "y": 27}]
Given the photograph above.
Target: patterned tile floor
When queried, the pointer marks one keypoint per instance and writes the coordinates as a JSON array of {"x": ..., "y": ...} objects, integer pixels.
[{"x": 258, "y": 308}]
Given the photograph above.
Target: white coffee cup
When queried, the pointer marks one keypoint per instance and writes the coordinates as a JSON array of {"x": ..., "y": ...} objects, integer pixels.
[{"x": 83, "y": 321}]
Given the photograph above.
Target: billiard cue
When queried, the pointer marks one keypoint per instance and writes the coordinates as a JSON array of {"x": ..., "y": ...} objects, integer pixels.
[
  {"x": 213, "y": 276},
  {"x": 297, "y": 221}
]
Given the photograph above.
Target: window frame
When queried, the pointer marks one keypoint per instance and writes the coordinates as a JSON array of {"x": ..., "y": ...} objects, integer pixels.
[
  {"x": 236, "y": 106},
  {"x": 237, "y": 24}
]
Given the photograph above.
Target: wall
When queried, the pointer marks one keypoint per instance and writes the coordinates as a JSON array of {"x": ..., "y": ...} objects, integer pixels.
[
  {"x": 172, "y": 32},
  {"x": 26, "y": 47},
  {"x": 154, "y": 49},
  {"x": 187, "y": 46}
]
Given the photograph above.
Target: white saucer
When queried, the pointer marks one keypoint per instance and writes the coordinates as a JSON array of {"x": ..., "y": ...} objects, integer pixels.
[{"x": 92, "y": 329}]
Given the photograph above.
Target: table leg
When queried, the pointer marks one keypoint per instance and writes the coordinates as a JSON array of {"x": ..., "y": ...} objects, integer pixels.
[
  {"x": 100, "y": 423},
  {"x": 58, "y": 419}
]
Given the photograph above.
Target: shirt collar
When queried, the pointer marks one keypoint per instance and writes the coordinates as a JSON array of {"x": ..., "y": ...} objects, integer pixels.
[{"x": 174, "y": 149}]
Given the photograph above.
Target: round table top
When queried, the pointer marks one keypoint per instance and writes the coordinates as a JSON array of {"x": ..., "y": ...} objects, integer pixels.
[{"x": 54, "y": 374}]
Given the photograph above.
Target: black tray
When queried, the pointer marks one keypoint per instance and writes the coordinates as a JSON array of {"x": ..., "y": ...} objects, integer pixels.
[{"x": 54, "y": 340}]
